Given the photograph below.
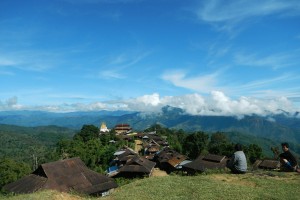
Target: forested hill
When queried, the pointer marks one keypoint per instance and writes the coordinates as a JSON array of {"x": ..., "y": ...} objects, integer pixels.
[{"x": 22, "y": 143}]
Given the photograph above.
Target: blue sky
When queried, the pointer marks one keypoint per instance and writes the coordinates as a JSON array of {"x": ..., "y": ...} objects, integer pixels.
[{"x": 205, "y": 56}]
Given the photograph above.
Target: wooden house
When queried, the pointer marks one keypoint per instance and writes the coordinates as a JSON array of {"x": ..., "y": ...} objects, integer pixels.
[
  {"x": 122, "y": 128},
  {"x": 169, "y": 160},
  {"x": 64, "y": 176},
  {"x": 202, "y": 163}
]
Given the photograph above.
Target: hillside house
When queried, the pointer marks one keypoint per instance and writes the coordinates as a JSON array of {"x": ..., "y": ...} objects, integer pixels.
[
  {"x": 153, "y": 143},
  {"x": 128, "y": 163},
  {"x": 266, "y": 164},
  {"x": 136, "y": 167},
  {"x": 138, "y": 145},
  {"x": 122, "y": 128},
  {"x": 122, "y": 155},
  {"x": 64, "y": 176},
  {"x": 202, "y": 163},
  {"x": 169, "y": 160}
]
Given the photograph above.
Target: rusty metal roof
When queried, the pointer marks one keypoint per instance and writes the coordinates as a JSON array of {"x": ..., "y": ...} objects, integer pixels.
[
  {"x": 63, "y": 175},
  {"x": 176, "y": 160}
]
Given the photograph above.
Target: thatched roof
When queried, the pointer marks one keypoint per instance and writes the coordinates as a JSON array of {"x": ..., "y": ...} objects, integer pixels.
[
  {"x": 170, "y": 156},
  {"x": 64, "y": 175},
  {"x": 209, "y": 161},
  {"x": 136, "y": 166},
  {"x": 266, "y": 164}
]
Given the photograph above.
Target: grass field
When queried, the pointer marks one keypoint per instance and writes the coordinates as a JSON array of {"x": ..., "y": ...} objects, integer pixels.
[{"x": 258, "y": 185}]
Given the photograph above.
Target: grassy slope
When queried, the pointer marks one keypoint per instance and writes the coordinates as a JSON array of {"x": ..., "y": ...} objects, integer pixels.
[{"x": 213, "y": 186}]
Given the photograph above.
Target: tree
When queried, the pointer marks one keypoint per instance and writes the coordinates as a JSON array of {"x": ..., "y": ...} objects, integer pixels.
[
  {"x": 220, "y": 145},
  {"x": 87, "y": 133},
  {"x": 93, "y": 149},
  {"x": 11, "y": 170},
  {"x": 253, "y": 152},
  {"x": 194, "y": 144}
]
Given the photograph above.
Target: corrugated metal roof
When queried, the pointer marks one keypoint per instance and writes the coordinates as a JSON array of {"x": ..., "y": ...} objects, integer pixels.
[
  {"x": 117, "y": 153},
  {"x": 63, "y": 175},
  {"x": 174, "y": 161}
]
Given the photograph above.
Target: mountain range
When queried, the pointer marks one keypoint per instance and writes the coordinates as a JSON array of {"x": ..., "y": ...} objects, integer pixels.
[{"x": 281, "y": 127}]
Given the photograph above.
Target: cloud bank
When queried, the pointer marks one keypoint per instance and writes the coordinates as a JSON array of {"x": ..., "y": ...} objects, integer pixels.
[{"x": 216, "y": 104}]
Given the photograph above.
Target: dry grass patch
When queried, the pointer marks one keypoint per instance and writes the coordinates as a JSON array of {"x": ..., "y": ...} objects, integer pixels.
[
  {"x": 157, "y": 172},
  {"x": 234, "y": 180}
]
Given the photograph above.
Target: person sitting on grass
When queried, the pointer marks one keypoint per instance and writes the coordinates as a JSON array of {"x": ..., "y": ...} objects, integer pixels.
[
  {"x": 238, "y": 162},
  {"x": 288, "y": 162}
]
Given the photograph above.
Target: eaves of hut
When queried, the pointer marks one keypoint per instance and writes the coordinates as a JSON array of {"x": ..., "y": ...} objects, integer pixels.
[
  {"x": 266, "y": 164},
  {"x": 64, "y": 176}
]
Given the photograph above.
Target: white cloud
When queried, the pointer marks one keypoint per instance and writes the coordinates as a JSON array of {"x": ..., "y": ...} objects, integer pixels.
[
  {"x": 274, "y": 61},
  {"x": 108, "y": 74},
  {"x": 204, "y": 83},
  {"x": 257, "y": 85},
  {"x": 231, "y": 13},
  {"x": 28, "y": 60},
  {"x": 116, "y": 65},
  {"x": 10, "y": 104},
  {"x": 6, "y": 62},
  {"x": 216, "y": 104}
]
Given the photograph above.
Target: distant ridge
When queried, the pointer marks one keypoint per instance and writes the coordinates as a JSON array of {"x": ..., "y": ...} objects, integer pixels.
[{"x": 283, "y": 127}]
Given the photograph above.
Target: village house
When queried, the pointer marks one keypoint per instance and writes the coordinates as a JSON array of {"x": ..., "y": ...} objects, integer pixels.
[
  {"x": 152, "y": 143},
  {"x": 266, "y": 164},
  {"x": 136, "y": 167},
  {"x": 169, "y": 160},
  {"x": 122, "y": 128},
  {"x": 64, "y": 176},
  {"x": 138, "y": 146},
  {"x": 128, "y": 163},
  {"x": 202, "y": 163}
]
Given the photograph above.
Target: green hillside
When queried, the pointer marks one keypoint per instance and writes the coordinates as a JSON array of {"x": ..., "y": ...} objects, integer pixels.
[{"x": 21, "y": 143}]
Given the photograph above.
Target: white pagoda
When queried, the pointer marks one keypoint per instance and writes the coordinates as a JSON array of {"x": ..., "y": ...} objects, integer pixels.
[{"x": 103, "y": 128}]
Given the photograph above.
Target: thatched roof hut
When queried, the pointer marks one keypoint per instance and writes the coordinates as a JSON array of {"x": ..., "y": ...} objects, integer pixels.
[{"x": 64, "y": 176}]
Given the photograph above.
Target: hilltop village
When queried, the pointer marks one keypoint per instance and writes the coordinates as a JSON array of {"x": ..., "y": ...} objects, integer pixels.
[{"x": 95, "y": 158}]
